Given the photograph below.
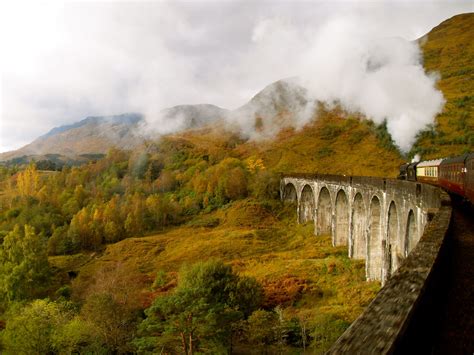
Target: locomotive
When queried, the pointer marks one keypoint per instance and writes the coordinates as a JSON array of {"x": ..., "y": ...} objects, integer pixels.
[{"x": 456, "y": 175}]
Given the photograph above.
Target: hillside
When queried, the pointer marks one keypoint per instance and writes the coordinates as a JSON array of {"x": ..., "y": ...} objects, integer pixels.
[{"x": 448, "y": 49}]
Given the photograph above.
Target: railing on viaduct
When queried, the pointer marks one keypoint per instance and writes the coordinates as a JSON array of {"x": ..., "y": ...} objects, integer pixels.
[{"x": 397, "y": 227}]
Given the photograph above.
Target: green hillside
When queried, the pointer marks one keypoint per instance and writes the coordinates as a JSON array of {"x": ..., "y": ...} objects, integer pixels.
[{"x": 448, "y": 49}]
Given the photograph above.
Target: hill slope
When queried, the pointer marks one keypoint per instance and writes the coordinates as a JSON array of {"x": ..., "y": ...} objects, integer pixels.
[{"x": 448, "y": 49}]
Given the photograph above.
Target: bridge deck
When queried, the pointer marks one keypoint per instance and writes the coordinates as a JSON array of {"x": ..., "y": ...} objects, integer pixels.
[{"x": 457, "y": 321}]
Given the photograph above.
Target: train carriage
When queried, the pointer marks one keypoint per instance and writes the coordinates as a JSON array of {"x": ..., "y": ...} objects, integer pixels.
[
  {"x": 455, "y": 175},
  {"x": 452, "y": 173},
  {"x": 469, "y": 178},
  {"x": 428, "y": 171}
]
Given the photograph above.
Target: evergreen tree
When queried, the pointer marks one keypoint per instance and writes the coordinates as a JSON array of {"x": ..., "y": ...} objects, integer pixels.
[{"x": 199, "y": 315}]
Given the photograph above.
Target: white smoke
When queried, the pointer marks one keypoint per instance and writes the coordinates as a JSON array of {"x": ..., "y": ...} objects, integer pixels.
[
  {"x": 416, "y": 158},
  {"x": 346, "y": 62}
]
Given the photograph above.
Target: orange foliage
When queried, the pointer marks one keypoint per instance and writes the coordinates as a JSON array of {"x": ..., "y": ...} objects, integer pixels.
[{"x": 283, "y": 291}]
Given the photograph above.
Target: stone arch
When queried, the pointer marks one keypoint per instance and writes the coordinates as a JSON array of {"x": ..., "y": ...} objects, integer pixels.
[
  {"x": 341, "y": 229},
  {"x": 392, "y": 239},
  {"x": 359, "y": 241},
  {"x": 306, "y": 205},
  {"x": 375, "y": 252},
  {"x": 289, "y": 193},
  {"x": 411, "y": 233},
  {"x": 323, "y": 221}
]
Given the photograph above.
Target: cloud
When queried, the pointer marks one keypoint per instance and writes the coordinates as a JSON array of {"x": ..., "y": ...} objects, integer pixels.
[{"x": 63, "y": 61}]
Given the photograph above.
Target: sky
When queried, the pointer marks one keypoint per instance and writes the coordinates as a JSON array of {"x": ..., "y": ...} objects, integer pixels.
[{"x": 62, "y": 61}]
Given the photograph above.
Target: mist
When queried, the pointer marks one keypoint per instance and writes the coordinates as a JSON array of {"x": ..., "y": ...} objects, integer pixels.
[{"x": 64, "y": 61}]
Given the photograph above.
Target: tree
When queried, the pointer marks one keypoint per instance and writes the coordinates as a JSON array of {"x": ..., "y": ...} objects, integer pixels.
[
  {"x": 24, "y": 268},
  {"x": 45, "y": 327},
  {"x": 261, "y": 328},
  {"x": 328, "y": 328},
  {"x": 77, "y": 336},
  {"x": 28, "y": 181},
  {"x": 113, "y": 322},
  {"x": 84, "y": 231},
  {"x": 29, "y": 331},
  {"x": 199, "y": 315}
]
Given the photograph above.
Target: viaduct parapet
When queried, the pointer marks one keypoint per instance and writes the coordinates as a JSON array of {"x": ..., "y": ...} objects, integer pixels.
[{"x": 398, "y": 228}]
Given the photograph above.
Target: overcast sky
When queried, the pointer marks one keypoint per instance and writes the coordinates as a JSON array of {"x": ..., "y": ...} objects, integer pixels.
[{"x": 63, "y": 61}]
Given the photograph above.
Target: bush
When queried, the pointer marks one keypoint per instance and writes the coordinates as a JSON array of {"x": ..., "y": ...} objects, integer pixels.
[{"x": 326, "y": 331}]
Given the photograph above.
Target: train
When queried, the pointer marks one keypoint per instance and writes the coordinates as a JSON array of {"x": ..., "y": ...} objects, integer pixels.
[{"x": 455, "y": 175}]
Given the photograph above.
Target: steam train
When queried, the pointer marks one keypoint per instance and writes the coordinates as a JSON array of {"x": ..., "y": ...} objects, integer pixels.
[{"x": 456, "y": 175}]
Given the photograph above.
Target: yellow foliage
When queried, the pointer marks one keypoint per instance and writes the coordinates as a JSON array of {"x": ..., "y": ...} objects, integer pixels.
[
  {"x": 28, "y": 181},
  {"x": 255, "y": 164}
]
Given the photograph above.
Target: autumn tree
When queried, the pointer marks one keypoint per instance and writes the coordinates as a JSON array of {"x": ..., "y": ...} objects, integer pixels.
[{"x": 28, "y": 181}]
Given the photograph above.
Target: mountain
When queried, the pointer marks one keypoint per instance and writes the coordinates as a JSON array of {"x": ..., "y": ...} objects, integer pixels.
[
  {"x": 193, "y": 116},
  {"x": 95, "y": 135},
  {"x": 89, "y": 136},
  {"x": 272, "y": 109},
  {"x": 448, "y": 49}
]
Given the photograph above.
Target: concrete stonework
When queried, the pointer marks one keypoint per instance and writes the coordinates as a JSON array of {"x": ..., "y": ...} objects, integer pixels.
[{"x": 380, "y": 220}]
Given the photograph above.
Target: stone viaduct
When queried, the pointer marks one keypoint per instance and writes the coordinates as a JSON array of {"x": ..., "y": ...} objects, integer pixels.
[
  {"x": 400, "y": 228},
  {"x": 380, "y": 220}
]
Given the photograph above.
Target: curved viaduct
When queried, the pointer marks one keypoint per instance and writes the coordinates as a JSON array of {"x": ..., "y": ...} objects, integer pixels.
[
  {"x": 380, "y": 220},
  {"x": 399, "y": 228}
]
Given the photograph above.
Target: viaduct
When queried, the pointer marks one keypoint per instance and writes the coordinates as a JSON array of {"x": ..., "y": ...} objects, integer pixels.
[{"x": 397, "y": 227}]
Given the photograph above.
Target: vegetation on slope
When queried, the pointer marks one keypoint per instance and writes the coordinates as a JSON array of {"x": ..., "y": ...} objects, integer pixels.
[
  {"x": 205, "y": 194},
  {"x": 449, "y": 50}
]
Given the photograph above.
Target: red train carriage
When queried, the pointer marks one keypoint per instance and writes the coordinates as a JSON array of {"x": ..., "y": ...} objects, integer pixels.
[
  {"x": 452, "y": 174},
  {"x": 469, "y": 178}
]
